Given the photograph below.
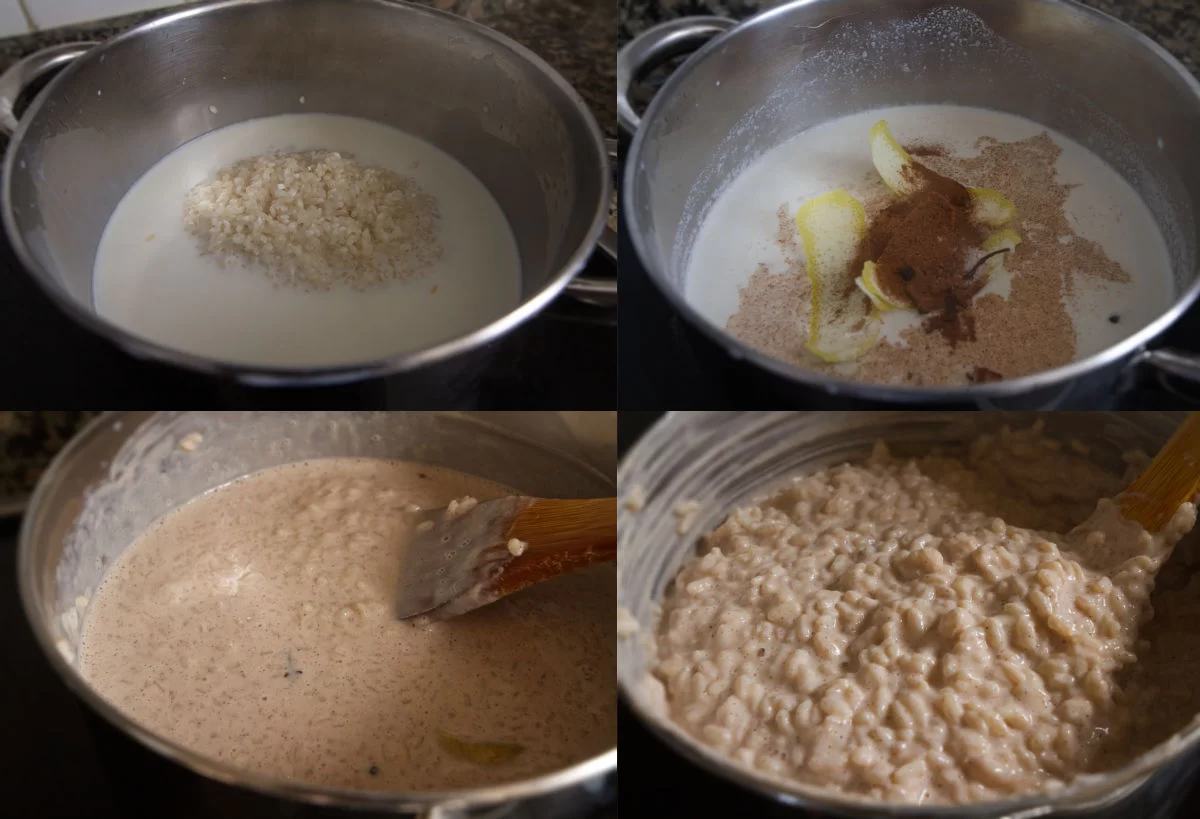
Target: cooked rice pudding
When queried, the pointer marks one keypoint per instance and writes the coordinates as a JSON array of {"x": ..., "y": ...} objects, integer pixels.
[{"x": 947, "y": 629}]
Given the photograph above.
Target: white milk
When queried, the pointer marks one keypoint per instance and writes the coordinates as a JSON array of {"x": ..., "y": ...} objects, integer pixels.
[
  {"x": 741, "y": 229},
  {"x": 163, "y": 289}
]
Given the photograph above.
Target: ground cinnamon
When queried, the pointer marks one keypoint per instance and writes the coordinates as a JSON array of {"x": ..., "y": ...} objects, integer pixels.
[
  {"x": 1026, "y": 331},
  {"x": 920, "y": 245},
  {"x": 922, "y": 149}
]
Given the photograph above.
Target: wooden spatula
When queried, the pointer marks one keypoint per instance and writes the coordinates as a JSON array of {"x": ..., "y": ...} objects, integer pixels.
[
  {"x": 1170, "y": 480},
  {"x": 460, "y": 560}
]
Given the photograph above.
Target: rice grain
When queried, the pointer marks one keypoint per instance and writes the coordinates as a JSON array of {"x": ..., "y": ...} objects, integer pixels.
[{"x": 315, "y": 219}]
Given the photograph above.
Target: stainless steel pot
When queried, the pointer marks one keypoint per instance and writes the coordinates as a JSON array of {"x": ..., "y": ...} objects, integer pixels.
[
  {"x": 118, "y": 108},
  {"x": 720, "y": 459},
  {"x": 127, "y": 469},
  {"x": 1059, "y": 63}
]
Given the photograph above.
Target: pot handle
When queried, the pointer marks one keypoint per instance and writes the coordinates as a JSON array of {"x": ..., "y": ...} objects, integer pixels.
[
  {"x": 655, "y": 46},
  {"x": 596, "y": 290},
  {"x": 1170, "y": 366},
  {"x": 1170, "y": 362},
  {"x": 27, "y": 71}
]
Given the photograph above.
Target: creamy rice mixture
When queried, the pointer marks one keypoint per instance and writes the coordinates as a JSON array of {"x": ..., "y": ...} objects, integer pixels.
[
  {"x": 921, "y": 631},
  {"x": 255, "y": 625}
]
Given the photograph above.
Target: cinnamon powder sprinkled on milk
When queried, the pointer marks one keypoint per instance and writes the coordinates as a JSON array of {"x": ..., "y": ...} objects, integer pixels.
[{"x": 1026, "y": 332}]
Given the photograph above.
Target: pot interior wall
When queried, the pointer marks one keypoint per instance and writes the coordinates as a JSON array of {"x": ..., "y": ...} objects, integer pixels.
[
  {"x": 115, "y": 113},
  {"x": 128, "y": 472},
  {"x": 810, "y": 63}
]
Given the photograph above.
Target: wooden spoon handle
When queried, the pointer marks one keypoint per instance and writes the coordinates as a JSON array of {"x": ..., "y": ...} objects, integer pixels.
[
  {"x": 1170, "y": 480},
  {"x": 562, "y": 535}
]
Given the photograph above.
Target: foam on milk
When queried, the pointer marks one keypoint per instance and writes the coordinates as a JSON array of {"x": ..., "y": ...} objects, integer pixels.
[
  {"x": 151, "y": 279},
  {"x": 740, "y": 231}
]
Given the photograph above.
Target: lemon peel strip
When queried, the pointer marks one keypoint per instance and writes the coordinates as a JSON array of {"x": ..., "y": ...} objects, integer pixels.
[
  {"x": 831, "y": 227},
  {"x": 868, "y": 282},
  {"x": 989, "y": 207}
]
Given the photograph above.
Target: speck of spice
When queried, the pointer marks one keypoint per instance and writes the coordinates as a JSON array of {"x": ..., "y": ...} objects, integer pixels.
[
  {"x": 291, "y": 670},
  {"x": 373, "y": 770},
  {"x": 1114, "y": 318}
]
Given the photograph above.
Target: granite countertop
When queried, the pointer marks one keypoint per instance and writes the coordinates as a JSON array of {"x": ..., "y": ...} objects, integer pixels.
[
  {"x": 28, "y": 441},
  {"x": 574, "y": 36},
  {"x": 1173, "y": 24}
]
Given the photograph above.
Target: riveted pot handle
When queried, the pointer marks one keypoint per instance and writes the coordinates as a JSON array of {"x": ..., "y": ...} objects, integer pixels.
[
  {"x": 655, "y": 46},
  {"x": 1171, "y": 368},
  {"x": 594, "y": 290},
  {"x": 597, "y": 290},
  {"x": 1171, "y": 362},
  {"x": 27, "y": 71}
]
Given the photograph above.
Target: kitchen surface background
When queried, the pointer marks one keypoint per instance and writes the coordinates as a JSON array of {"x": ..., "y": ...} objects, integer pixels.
[
  {"x": 28, "y": 440},
  {"x": 26, "y": 16}
]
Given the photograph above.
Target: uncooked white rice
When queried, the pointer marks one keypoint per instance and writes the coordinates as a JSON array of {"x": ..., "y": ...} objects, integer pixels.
[{"x": 316, "y": 218}]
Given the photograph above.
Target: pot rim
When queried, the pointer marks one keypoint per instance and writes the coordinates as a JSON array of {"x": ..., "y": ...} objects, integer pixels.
[
  {"x": 417, "y": 801},
  {"x": 835, "y": 385},
  {"x": 1094, "y": 787},
  {"x": 329, "y": 374}
]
